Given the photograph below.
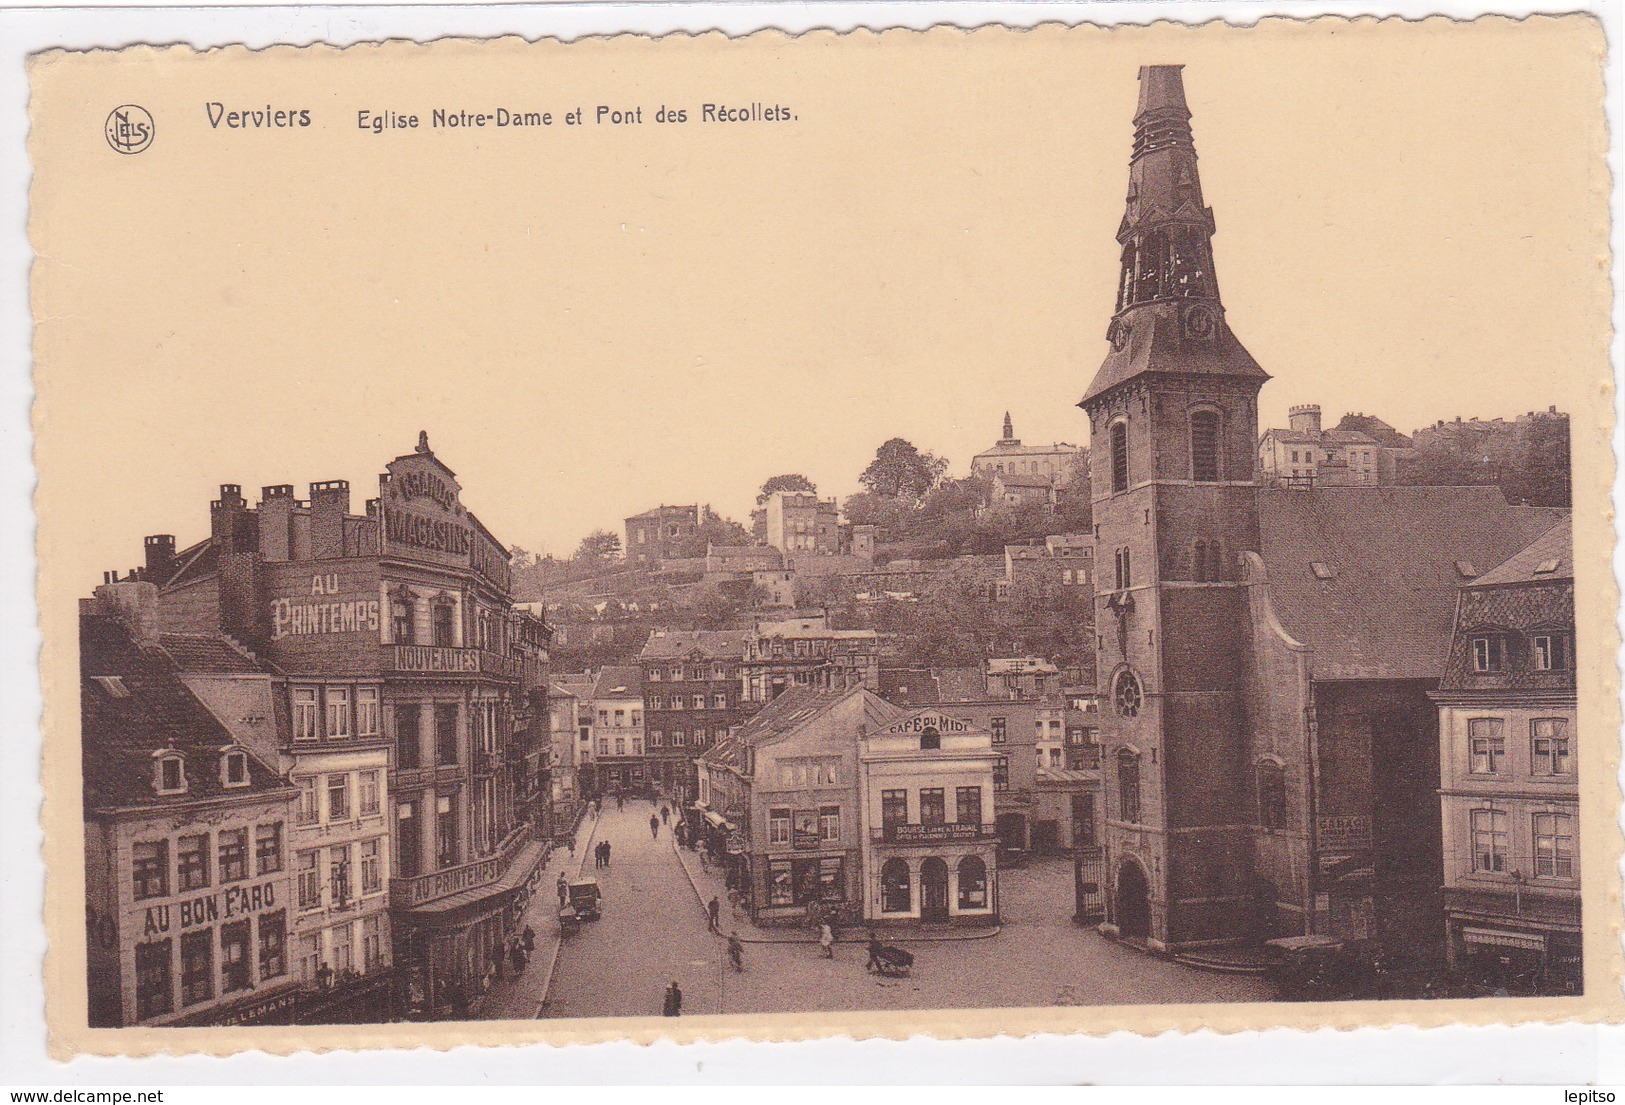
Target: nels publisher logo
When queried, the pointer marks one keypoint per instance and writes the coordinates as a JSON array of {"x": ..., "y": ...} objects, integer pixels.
[{"x": 129, "y": 129}]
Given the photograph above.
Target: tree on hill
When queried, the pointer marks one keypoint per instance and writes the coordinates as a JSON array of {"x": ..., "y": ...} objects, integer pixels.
[
  {"x": 599, "y": 545},
  {"x": 790, "y": 481},
  {"x": 901, "y": 471}
]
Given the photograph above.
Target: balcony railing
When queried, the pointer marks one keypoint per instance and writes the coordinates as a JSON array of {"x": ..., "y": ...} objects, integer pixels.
[
  {"x": 449, "y": 661},
  {"x": 408, "y": 893}
]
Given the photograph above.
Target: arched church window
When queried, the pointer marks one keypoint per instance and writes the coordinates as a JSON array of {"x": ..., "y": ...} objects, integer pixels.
[
  {"x": 1128, "y": 785},
  {"x": 1119, "y": 447},
  {"x": 1205, "y": 446}
]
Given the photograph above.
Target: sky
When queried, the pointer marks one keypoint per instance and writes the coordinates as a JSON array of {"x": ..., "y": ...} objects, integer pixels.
[{"x": 590, "y": 321}]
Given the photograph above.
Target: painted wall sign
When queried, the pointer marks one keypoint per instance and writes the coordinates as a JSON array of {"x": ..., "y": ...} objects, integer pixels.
[
  {"x": 298, "y": 618},
  {"x": 403, "y": 527},
  {"x": 919, "y": 722},
  {"x": 425, "y": 485},
  {"x": 1345, "y": 833},
  {"x": 931, "y": 834},
  {"x": 233, "y": 901},
  {"x": 804, "y": 829}
]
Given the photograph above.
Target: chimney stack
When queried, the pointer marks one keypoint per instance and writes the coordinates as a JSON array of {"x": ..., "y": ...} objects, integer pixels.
[
  {"x": 160, "y": 556},
  {"x": 134, "y": 605},
  {"x": 225, "y": 515},
  {"x": 329, "y": 504},
  {"x": 276, "y": 521}
]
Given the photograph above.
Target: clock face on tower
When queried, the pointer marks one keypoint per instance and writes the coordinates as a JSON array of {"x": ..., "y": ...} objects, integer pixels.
[
  {"x": 1126, "y": 695},
  {"x": 1201, "y": 321}
]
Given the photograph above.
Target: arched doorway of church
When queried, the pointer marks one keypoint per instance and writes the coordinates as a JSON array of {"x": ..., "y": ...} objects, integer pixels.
[
  {"x": 934, "y": 889},
  {"x": 1133, "y": 901}
]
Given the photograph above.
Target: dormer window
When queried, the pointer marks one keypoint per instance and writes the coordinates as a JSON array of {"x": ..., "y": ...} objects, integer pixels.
[
  {"x": 169, "y": 772},
  {"x": 1322, "y": 570},
  {"x": 1489, "y": 652},
  {"x": 1550, "y": 651},
  {"x": 233, "y": 767}
]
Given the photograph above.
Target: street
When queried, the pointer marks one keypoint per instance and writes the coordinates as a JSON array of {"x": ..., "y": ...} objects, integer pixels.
[{"x": 654, "y": 931}]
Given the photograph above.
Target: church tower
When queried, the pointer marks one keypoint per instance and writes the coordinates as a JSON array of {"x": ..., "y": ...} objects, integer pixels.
[{"x": 1174, "y": 425}]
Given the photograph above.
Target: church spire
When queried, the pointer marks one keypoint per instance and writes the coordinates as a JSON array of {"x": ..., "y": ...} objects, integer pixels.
[
  {"x": 1009, "y": 430},
  {"x": 1168, "y": 316}
]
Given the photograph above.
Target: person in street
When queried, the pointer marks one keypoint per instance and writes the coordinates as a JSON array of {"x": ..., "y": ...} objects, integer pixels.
[
  {"x": 826, "y": 940},
  {"x": 874, "y": 952},
  {"x": 620, "y": 801},
  {"x": 520, "y": 959},
  {"x": 713, "y": 909},
  {"x": 736, "y": 952},
  {"x": 654, "y": 827},
  {"x": 673, "y": 1005},
  {"x": 564, "y": 890},
  {"x": 606, "y": 853},
  {"x": 572, "y": 846},
  {"x": 665, "y": 815},
  {"x": 705, "y": 861},
  {"x": 528, "y": 939}
]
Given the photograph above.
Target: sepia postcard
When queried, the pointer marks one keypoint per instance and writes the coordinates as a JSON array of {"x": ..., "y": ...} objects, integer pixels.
[{"x": 963, "y": 532}]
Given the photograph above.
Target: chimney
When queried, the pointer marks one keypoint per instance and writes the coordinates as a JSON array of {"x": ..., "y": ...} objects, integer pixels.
[
  {"x": 224, "y": 515},
  {"x": 134, "y": 605},
  {"x": 160, "y": 556},
  {"x": 329, "y": 504},
  {"x": 276, "y": 521},
  {"x": 1304, "y": 419}
]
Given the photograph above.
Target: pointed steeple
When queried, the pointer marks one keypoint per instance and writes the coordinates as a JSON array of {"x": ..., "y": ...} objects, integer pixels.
[
  {"x": 1169, "y": 317},
  {"x": 1009, "y": 430}
]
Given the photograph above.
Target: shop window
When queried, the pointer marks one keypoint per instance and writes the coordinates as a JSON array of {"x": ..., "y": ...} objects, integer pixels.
[
  {"x": 236, "y": 972},
  {"x": 192, "y": 861},
  {"x": 368, "y": 797},
  {"x": 1551, "y": 651},
  {"x": 232, "y": 848},
  {"x": 1271, "y": 796},
  {"x": 305, "y": 727},
  {"x": 273, "y": 934},
  {"x": 372, "y": 866},
  {"x": 149, "y": 869},
  {"x": 1549, "y": 746},
  {"x": 169, "y": 774},
  {"x": 197, "y": 967},
  {"x": 893, "y": 808},
  {"x": 968, "y": 805},
  {"x": 268, "y": 848},
  {"x": 1489, "y": 840},
  {"x": 894, "y": 887},
  {"x": 338, "y": 711},
  {"x": 338, "y": 797},
  {"x": 932, "y": 806},
  {"x": 234, "y": 768},
  {"x": 366, "y": 712},
  {"x": 154, "y": 986},
  {"x": 1486, "y": 745},
  {"x": 1119, "y": 449},
  {"x": 408, "y": 735},
  {"x": 309, "y": 880},
  {"x": 829, "y": 823},
  {"x": 1128, "y": 785},
  {"x": 778, "y": 826},
  {"x": 1205, "y": 446},
  {"x": 1554, "y": 846},
  {"x": 972, "y": 883},
  {"x": 780, "y": 883},
  {"x": 1489, "y": 652},
  {"x": 445, "y": 733}
]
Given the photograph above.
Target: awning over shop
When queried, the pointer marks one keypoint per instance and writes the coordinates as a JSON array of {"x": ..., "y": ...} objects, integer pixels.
[
  {"x": 716, "y": 820},
  {"x": 1500, "y": 938},
  {"x": 519, "y": 871}
]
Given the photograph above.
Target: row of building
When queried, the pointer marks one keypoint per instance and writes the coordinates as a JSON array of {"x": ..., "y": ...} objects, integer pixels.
[{"x": 317, "y": 761}]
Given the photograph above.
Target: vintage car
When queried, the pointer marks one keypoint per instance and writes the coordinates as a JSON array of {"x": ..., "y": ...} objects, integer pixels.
[{"x": 586, "y": 899}]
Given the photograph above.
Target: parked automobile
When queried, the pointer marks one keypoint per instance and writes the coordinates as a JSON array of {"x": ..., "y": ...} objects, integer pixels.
[{"x": 586, "y": 899}]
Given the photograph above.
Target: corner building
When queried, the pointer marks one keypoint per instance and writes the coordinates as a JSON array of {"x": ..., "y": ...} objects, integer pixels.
[{"x": 393, "y": 629}]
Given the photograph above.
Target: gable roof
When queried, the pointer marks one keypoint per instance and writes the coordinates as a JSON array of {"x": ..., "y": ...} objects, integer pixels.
[
  {"x": 714, "y": 644},
  {"x": 619, "y": 681},
  {"x": 789, "y": 712},
  {"x": 1391, "y": 553},
  {"x": 1555, "y": 547},
  {"x": 133, "y": 704}
]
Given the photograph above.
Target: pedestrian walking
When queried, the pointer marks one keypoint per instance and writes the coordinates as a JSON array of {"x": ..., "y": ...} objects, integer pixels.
[
  {"x": 564, "y": 890},
  {"x": 665, "y": 815},
  {"x": 874, "y": 952},
  {"x": 654, "y": 827},
  {"x": 713, "y": 910},
  {"x": 826, "y": 940},
  {"x": 705, "y": 861},
  {"x": 572, "y": 846},
  {"x": 673, "y": 1005},
  {"x": 736, "y": 952}
]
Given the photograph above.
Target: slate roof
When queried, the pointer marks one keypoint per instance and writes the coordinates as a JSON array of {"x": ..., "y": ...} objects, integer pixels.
[
  {"x": 210, "y": 655},
  {"x": 619, "y": 681},
  {"x": 1556, "y": 544},
  {"x": 133, "y": 704},
  {"x": 1155, "y": 344},
  {"x": 713, "y": 644},
  {"x": 1387, "y": 611},
  {"x": 787, "y": 713},
  {"x": 908, "y": 686}
]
